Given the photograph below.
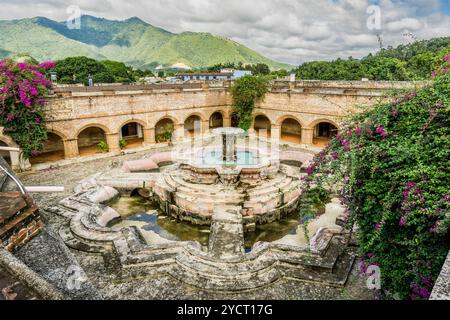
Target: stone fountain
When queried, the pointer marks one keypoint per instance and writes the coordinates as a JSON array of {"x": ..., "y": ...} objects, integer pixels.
[{"x": 211, "y": 185}]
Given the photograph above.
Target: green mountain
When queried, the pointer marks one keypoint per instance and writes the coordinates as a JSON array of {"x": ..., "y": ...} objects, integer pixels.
[{"x": 131, "y": 41}]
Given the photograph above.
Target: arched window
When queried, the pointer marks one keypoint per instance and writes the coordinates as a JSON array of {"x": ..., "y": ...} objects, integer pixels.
[
  {"x": 91, "y": 140},
  {"x": 262, "y": 123},
  {"x": 132, "y": 134},
  {"x": 323, "y": 133},
  {"x": 164, "y": 130},
  {"x": 216, "y": 120},
  {"x": 291, "y": 131}
]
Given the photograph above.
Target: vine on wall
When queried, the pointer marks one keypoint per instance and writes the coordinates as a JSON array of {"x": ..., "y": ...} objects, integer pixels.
[{"x": 246, "y": 91}]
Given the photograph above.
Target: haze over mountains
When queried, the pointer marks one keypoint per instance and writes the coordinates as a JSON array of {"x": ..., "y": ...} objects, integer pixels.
[{"x": 131, "y": 41}]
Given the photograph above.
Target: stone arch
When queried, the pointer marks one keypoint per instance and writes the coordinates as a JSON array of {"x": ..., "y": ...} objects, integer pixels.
[
  {"x": 89, "y": 138},
  {"x": 174, "y": 120},
  {"x": 138, "y": 121},
  {"x": 192, "y": 124},
  {"x": 132, "y": 133},
  {"x": 216, "y": 120},
  {"x": 262, "y": 122},
  {"x": 291, "y": 129},
  {"x": 196, "y": 114},
  {"x": 53, "y": 148},
  {"x": 323, "y": 132},
  {"x": 290, "y": 116},
  {"x": 164, "y": 129},
  {"x": 314, "y": 123},
  {"x": 105, "y": 128}
]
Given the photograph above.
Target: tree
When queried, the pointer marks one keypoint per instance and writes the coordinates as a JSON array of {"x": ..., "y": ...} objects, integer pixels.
[
  {"x": 245, "y": 92},
  {"x": 77, "y": 70},
  {"x": 121, "y": 73}
]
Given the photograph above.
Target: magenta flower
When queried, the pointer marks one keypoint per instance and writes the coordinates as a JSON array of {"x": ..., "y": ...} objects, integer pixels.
[
  {"x": 380, "y": 130},
  {"x": 335, "y": 156},
  {"x": 447, "y": 58}
]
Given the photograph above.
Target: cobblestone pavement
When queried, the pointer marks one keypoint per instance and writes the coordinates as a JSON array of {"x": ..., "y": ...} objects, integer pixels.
[{"x": 163, "y": 286}]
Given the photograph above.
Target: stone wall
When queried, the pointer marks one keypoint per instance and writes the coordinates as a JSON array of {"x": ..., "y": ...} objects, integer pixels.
[{"x": 71, "y": 110}]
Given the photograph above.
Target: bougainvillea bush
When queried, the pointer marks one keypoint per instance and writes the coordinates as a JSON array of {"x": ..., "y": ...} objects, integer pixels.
[
  {"x": 23, "y": 88},
  {"x": 394, "y": 165}
]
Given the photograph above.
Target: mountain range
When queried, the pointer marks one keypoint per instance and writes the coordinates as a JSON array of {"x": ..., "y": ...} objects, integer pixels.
[{"x": 131, "y": 41}]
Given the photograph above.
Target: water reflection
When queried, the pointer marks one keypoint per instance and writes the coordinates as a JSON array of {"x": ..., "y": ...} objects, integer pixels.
[{"x": 155, "y": 227}]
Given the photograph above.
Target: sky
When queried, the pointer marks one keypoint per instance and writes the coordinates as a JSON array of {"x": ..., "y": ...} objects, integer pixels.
[{"x": 291, "y": 31}]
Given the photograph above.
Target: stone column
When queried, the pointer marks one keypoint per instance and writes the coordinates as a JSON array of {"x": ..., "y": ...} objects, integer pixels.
[
  {"x": 112, "y": 139},
  {"x": 178, "y": 134},
  {"x": 71, "y": 148},
  {"x": 15, "y": 161},
  {"x": 205, "y": 127},
  {"x": 275, "y": 132},
  {"x": 149, "y": 136},
  {"x": 227, "y": 122},
  {"x": 307, "y": 136}
]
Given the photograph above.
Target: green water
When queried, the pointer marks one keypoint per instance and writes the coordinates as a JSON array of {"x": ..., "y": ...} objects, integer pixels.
[
  {"x": 140, "y": 212},
  {"x": 144, "y": 214},
  {"x": 272, "y": 231}
]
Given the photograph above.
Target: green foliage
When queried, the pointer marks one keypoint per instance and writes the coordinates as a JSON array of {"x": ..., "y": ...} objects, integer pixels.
[
  {"x": 245, "y": 92},
  {"x": 393, "y": 162},
  {"x": 167, "y": 133},
  {"x": 121, "y": 73},
  {"x": 77, "y": 70},
  {"x": 122, "y": 143},
  {"x": 409, "y": 51},
  {"x": 23, "y": 88},
  {"x": 407, "y": 62},
  {"x": 103, "y": 146},
  {"x": 313, "y": 203}
]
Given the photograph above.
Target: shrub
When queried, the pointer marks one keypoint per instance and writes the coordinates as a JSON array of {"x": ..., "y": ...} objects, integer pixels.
[
  {"x": 103, "y": 146},
  {"x": 122, "y": 143},
  {"x": 167, "y": 133},
  {"x": 393, "y": 163},
  {"x": 23, "y": 88}
]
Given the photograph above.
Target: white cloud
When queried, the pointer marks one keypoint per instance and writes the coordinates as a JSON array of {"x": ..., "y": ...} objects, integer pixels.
[{"x": 288, "y": 30}]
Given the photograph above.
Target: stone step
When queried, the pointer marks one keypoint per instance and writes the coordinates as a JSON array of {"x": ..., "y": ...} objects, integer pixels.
[{"x": 227, "y": 233}]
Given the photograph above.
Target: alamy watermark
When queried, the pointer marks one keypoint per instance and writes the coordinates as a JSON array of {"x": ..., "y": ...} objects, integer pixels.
[
  {"x": 74, "y": 20},
  {"x": 71, "y": 278}
]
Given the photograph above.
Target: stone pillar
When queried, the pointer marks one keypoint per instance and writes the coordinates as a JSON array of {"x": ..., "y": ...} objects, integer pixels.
[
  {"x": 205, "y": 127},
  {"x": 15, "y": 160},
  {"x": 112, "y": 139},
  {"x": 71, "y": 148},
  {"x": 275, "y": 132},
  {"x": 307, "y": 136},
  {"x": 178, "y": 134},
  {"x": 149, "y": 136},
  {"x": 227, "y": 122}
]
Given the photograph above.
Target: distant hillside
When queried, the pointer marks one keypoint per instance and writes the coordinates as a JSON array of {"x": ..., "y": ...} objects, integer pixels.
[{"x": 131, "y": 41}]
